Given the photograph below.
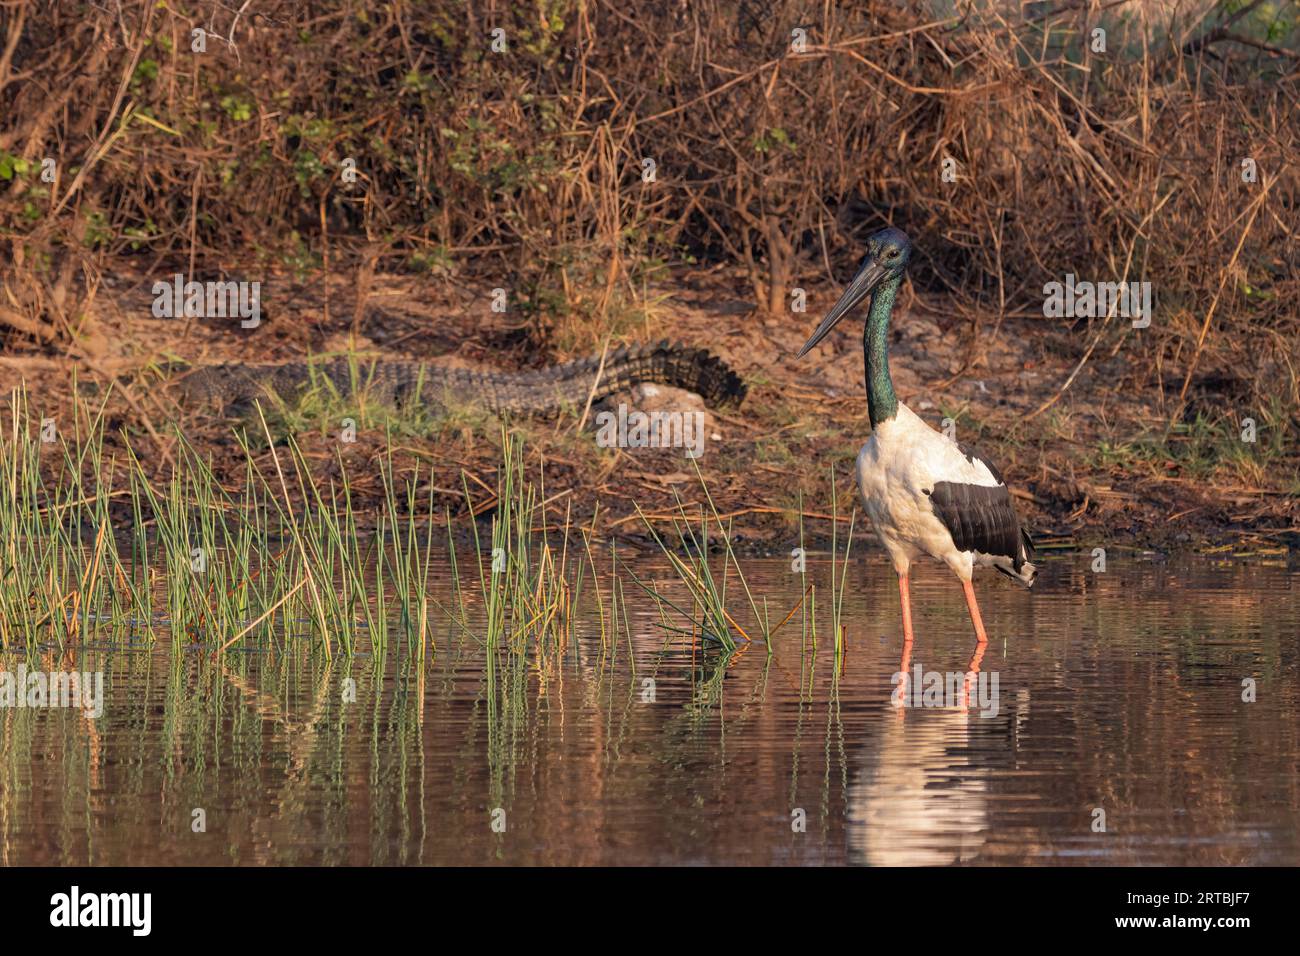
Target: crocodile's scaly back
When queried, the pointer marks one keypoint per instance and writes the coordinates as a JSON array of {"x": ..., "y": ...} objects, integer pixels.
[{"x": 540, "y": 392}]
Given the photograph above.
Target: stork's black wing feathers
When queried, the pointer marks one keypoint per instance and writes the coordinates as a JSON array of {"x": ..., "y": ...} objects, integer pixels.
[
  {"x": 979, "y": 517},
  {"x": 982, "y": 518}
]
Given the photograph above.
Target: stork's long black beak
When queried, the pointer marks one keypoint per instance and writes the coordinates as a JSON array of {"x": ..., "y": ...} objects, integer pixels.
[{"x": 868, "y": 277}]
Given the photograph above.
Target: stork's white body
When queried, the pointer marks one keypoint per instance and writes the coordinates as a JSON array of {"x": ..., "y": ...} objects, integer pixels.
[{"x": 897, "y": 468}]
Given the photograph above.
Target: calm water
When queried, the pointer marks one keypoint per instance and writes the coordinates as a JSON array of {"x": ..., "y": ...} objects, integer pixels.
[{"x": 1118, "y": 692}]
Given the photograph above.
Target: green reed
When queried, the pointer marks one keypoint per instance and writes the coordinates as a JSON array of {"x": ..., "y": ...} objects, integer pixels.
[
  {"x": 282, "y": 555},
  {"x": 709, "y": 616},
  {"x": 837, "y": 584}
]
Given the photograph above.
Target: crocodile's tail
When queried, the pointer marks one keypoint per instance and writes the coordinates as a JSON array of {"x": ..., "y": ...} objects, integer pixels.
[{"x": 548, "y": 390}]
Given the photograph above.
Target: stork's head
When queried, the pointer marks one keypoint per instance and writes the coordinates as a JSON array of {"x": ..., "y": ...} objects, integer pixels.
[{"x": 887, "y": 254}]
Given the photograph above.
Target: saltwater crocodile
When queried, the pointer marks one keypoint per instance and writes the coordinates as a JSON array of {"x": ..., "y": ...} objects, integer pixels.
[{"x": 546, "y": 391}]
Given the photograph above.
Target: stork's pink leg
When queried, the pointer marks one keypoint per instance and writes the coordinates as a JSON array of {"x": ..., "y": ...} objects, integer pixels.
[
  {"x": 974, "y": 607},
  {"x": 905, "y": 593}
]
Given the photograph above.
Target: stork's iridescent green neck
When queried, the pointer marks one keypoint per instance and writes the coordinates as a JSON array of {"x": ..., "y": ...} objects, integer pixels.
[
  {"x": 880, "y": 276},
  {"x": 882, "y": 403}
]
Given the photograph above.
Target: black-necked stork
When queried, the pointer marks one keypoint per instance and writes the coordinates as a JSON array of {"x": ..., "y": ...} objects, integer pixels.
[{"x": 924, "y": 492}]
